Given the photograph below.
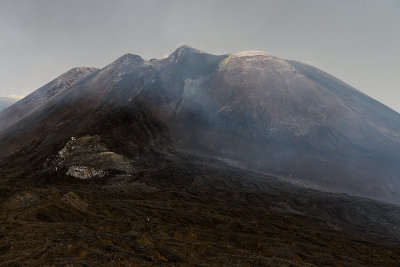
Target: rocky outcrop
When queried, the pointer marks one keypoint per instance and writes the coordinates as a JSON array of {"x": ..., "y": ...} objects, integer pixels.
[
  {"x": 87, "y": 157},
  {"x": 83, "y": 172}
]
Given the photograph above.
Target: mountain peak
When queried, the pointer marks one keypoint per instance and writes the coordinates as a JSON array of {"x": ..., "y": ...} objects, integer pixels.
[
  {"x": 124, "y": 61},
  {"x": 130, "y": 57},
  {"x": 184, "y": 51},
  {"x": 186, "y": 48}
]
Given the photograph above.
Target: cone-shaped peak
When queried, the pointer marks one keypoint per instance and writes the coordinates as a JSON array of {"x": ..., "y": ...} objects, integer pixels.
[
  {"x": 187, "y": 49},
  {"x": 130, "y": 57},
  {"x": 183, "y": 51}
]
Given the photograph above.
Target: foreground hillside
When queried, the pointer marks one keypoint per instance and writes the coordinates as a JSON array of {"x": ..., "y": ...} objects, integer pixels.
[{"x": 188, "y": 210}]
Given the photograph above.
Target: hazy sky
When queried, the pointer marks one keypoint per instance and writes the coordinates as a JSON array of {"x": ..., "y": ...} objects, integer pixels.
[{"x": 356, "y": 41}]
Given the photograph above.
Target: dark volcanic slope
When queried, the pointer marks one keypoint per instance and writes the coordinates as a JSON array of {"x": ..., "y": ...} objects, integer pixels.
[
  {"x": 116, "y": 166},
  {"x": 262, "y": 112}
]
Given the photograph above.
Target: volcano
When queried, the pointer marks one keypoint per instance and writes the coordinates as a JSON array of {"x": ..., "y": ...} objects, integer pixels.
[
  {"x": 142, "y": 159},
  {"x": 250, "y": 108}
]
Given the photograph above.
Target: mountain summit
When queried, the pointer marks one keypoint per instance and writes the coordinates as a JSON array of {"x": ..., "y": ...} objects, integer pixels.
[{"x": 250, "y": 108}]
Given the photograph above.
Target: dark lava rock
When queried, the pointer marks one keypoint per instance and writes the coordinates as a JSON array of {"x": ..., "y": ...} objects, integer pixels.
[
  {"x": 21, "y": 201},
  {"x": 75, "y": 201}
]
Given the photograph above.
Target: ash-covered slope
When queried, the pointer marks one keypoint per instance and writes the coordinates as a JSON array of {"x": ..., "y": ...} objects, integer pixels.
[
  {"x": 251, "y": 108},
  {"x": 283, "y": 117}
]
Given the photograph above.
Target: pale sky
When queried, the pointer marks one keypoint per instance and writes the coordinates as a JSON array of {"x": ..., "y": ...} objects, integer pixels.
[{"x": 358, "y": 41}]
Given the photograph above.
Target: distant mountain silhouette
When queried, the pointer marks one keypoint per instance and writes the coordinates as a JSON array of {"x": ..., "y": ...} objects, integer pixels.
[{"x": 5, "y": 102}]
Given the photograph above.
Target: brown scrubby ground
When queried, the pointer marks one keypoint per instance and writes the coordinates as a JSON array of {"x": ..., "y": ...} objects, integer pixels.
[{"x": 191, "y": 211}]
